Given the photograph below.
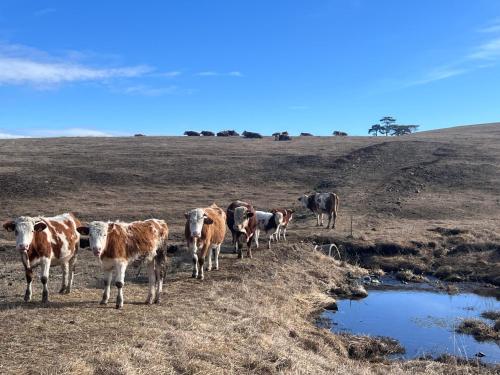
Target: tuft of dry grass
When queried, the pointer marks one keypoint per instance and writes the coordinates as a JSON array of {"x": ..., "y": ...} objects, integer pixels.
[{"x": 479, "y": 329}]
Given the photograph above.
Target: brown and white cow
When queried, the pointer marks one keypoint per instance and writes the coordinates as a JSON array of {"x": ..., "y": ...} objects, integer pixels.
[
  {"x": 117, "y": 244},
  {"x": 322, "y": 203},
  {"x": 43, "y": 241},
  {"x": 268, "y": 222},
  {"x": 241, "y": 220},
  {"x": 287, "y": 217},
  {"x": 205, "y": 229}
]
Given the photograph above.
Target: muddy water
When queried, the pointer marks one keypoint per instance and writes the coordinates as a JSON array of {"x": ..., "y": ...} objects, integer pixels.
[{"x": 422, "y": 321}]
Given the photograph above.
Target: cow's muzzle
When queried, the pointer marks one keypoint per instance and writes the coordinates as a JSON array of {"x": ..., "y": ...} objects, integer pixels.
[{"x": 96, "y": 251}]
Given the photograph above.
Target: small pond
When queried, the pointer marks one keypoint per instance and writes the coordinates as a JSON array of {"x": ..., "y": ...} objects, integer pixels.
[{"x": 422, "y": 321}]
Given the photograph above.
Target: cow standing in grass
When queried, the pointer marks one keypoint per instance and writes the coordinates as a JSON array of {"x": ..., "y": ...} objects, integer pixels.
[
  {"x": 205, "y": 230},
  {"x": 117, "y": 244},
  {"x": 44, "y": 241},
  {"x": 268, "y": 222},
  {"x": 241, "y": 221},
  {"x": 322, "y": 203},
  {"x": 287, "y": 217}
]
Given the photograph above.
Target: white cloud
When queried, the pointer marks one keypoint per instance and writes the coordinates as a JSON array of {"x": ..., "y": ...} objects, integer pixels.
[
  {"x": 150, "y": 91},
  {"x": 18, "y": 71},
  {"x": 207, "y": 74},
  {"x": 485, "y": 55},
  {"x": 171, "y": 74},
  {"x": 71, "y": 132},
  {"x": 438, "y": 74},
  {"x": 487, "y": 51},
  {"x": 10, "y": 136},
  {"x": 211, "y": 73},
  {"x": 20, "y": 65}
]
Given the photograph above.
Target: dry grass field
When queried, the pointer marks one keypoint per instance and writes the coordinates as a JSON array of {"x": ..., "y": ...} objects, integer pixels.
[{"x": 428, "y": 202}]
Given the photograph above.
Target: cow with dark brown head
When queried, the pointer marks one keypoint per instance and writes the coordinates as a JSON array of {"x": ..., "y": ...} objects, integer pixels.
[{"x": 242, "y": 222}]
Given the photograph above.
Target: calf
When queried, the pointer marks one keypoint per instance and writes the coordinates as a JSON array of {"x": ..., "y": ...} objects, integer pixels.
[
  {"x": 117, "y": 244},
  {"x": 322, "y": 203},
  {"x": 268, "y": 222},
  {"x": 45, "y": 240},
  {"x": 241, "y": 220},
  {"x": 287, "y": 217},
  {"x": 205, "y": 229}
]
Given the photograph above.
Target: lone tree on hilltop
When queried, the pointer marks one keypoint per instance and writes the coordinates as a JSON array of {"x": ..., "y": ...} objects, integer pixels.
[{"x": 390, "y": 127}]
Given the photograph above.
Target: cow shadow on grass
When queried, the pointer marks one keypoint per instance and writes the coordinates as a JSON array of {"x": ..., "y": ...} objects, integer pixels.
[{"x": 34, "y": 305}]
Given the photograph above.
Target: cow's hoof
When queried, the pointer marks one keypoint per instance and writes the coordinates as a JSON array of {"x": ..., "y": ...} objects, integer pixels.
[
  {"x": 149, "y": 301},
  {"x": 201, "y": 277},
  {"x": 209, "y": 269},
  {"x": 45, "y": 297},
  {"x": 118, "y": 307},
  {"x": 27, "y": 296},
  {"x": 62, "y": 290},
  {"x": 157, "y": 300},
  {"x": 67, "y": 291},
  {"x": 194, "y": 275},
  {"x": 103, "y": 302},
  {"x": 216, "y": 268}
]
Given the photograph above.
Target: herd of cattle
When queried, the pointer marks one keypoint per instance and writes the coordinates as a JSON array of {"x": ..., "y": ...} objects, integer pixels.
[{"x": 55, "y": 240}]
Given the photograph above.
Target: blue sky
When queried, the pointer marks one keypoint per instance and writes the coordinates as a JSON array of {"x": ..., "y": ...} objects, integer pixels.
[{"x": 162, "y": 67}]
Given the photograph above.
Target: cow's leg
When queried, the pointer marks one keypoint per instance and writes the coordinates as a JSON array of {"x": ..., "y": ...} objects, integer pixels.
[
  {"x": 334, "y": 214},
  {"x": 29, "y": 279},
  {"x": 195, "y": 259},
  {"x": 249, "y": 246},
  {"x": 317, "y": 219},
  {"x": 152, "y": 282},
  {"x": 256, "y": 235},
  {"x": 284, "y": 233},
  {"x": 45, "y": 269},
  {"x": 108, "y": 275},
  {"x": 329, "y": 220},
  {"x": 120, "y": 268},
  {"x": 65, "y": 272},
  {"x": 72, "y": 266},
  {"x": 159, "y": 282},
  {"x": 239, "y": 247},
  {"x": 217, "y": 252},
  {"x": 235, "y": 242},
  {"x": 210, "y": 252},
  {"x": 269, "y": 241},
  {"x": 201, "y": 260}
]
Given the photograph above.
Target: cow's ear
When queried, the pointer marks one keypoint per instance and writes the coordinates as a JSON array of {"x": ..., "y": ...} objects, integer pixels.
[
  {"x": 207, "y": 220},
  {"x": 83, "y": 230},
  {"x": 186, "y": 215},
  {"x": 250, "y": 214},
  {"x": 9, "y": 226},
  {"x": 40, "y": 226}
]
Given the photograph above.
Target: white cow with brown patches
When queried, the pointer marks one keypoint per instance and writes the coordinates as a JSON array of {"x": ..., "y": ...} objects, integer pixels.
[
  {"x": 205, "y": 230},
  {"x": 117, "y": 244},
  {"x": 44, "y": 241}
]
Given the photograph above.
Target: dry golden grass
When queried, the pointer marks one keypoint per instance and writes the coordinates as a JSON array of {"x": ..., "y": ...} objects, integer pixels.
[{"x": 252, "y": 316}]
